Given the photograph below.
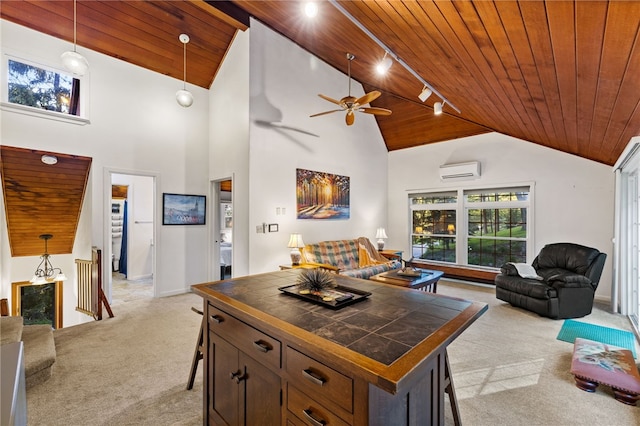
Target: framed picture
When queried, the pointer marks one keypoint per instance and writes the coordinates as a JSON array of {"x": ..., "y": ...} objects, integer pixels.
[
  {"x": 321, "y": 195},
  {"x": 180, "y": 209}
]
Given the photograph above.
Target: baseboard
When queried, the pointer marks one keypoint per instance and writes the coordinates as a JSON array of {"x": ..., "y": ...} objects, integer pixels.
[{"x": 175, "y": 292}]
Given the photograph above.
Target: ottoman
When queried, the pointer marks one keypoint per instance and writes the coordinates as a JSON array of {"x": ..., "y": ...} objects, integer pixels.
[{"x": 596, "y": 363}]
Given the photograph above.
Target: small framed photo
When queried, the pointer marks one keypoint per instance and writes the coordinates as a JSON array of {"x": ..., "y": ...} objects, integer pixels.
[
  {"x": 273, "y": 227},
  {"x": 181, "y": 209}
]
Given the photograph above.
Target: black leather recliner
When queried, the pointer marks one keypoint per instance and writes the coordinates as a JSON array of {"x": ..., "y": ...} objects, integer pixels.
[{"x": 569, "y": 274}]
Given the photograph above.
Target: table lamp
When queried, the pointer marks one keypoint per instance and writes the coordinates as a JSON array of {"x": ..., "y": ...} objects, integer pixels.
[
  {"x": 381, "y": 235},
  {"x": 295, "y": 244}
]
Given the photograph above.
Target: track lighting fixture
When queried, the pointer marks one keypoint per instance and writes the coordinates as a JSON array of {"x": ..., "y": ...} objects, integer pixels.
[
  {"x": 338, "y": 5},
  {"x": 437, "y": 108},
  {"x": 424, "y": 95},
  {"x": 310, "y": 9},
  {"x": 384, "y": 65},
  {"x": 183, "y": 96},
  {"x": 71, "y": 59}
]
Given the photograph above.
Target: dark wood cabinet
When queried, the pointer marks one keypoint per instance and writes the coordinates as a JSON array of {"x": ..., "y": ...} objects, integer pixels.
[
  {"x": 264, "y": 366},
  {"x": 242, "y": 391}
]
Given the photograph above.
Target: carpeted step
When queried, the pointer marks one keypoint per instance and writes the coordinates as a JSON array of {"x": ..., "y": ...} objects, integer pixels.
[
  {"x": 10, "y": 329},
  {"x": 39, "y": 353}
]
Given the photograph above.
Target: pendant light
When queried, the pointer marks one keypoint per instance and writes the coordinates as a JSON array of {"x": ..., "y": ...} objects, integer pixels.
[
  {"x": 45, "y": 272},
  {"x": 183, "y": 96},
  {"x": 72, "y": 60}
]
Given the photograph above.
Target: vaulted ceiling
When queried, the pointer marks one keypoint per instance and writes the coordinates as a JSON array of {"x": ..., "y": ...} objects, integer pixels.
[{"x": 563, "y": 74}]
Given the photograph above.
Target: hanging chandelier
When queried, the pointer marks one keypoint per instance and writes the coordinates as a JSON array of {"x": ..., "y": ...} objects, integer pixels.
[{"x": 46, "y": 273}]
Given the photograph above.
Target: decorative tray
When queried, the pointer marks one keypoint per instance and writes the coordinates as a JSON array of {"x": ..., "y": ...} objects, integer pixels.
[
  {"x": 397, "y": 274},
  {"x": 334, "y": 298}
]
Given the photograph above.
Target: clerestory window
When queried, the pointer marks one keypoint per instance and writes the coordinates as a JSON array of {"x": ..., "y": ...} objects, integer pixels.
[{"x": 37, "y": 89}]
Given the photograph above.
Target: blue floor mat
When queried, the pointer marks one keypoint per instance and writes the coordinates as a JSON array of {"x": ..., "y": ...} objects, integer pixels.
[{"x": 611, "y": 336}]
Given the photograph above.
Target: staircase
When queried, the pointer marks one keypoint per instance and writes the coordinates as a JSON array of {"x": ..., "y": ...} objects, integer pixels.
[{"x": 39, "y": 347}]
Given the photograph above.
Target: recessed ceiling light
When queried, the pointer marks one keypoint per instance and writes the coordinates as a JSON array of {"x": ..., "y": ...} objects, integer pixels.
[
  {"x": 49, "y": 159},
  {"x": 310, "y": 9}
]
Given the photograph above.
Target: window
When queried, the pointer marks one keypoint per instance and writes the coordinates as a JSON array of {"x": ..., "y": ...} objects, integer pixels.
[
  {"x": 480, "y": 227},
  {"x": 40, "y": 90},
  {"x": 496, "y": 226},
  {"x": 433, "y": 226}
]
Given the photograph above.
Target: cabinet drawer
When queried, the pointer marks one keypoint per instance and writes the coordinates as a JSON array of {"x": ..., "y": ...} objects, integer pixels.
[
  {"x": 261, "y": 347},
  {"x": 309, "y": 411},
  {"x": 318, "y": 379}
]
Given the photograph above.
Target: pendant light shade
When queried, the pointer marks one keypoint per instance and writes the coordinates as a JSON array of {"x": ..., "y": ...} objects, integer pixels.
[
  {"x": 183, "y": 96},
  {"x": 71, "y": 59},
  {"x": 75, "y": 62}
]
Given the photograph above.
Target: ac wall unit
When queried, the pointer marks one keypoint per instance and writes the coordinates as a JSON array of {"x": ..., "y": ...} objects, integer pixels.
[{"x": 460, "y": 171}]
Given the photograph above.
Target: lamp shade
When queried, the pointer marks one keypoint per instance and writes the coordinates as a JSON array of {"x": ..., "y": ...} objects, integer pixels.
[
  {"x": 295, "y": 241},
  {"x": 381, "y": 233},
  {"x": 74, "y": 62}
]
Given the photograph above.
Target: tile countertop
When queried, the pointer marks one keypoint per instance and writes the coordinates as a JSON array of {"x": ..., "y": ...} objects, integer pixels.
[{"x": 384, "y": 327}]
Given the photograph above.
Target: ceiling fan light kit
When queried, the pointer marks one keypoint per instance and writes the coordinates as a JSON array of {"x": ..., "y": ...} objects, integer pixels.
[
  {"x": 350, "y": 104},
  {"x": 183, "y": 96}
]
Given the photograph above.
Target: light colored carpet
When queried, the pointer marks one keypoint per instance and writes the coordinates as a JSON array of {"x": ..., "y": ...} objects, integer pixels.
[{"x": 508, "y": 369}]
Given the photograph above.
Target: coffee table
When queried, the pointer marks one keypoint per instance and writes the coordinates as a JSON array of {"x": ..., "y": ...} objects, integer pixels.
[{"x": 427, "y": 281}]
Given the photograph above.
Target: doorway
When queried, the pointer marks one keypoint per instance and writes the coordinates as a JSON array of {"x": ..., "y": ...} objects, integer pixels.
[
  {"x": 222, "y": 262},
  {"x": 130, "y": 231}
]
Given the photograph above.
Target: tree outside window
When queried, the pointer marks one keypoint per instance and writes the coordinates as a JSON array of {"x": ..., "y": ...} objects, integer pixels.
[{"x": 40, "y": 88}]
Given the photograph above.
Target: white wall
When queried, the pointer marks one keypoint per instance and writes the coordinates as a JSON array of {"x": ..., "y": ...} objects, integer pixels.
[
  {"x": 136, "y": 125},
  {"x": 573, "y": 196},
  {"x": 285, "y": 81},
  {"x": 229, "y": 136}
]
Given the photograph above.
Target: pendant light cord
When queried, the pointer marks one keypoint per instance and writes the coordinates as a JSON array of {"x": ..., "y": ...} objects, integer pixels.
[
  {"x": 74, "y": 25},
  {"x": 184, "y": 66}
]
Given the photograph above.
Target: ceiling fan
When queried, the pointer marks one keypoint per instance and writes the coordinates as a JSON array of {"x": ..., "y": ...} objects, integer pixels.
[{"x": 351, "y": 104}]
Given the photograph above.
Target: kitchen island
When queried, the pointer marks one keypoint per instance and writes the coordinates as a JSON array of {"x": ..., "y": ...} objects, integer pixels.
[{"x": 271, "y": 358}]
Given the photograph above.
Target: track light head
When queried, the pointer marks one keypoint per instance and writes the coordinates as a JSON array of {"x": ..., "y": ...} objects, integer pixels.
[
  {"x": 384, "y": 65},
  {"x": 424, "y": 95},
  {"x": 310, "y": 9},
  {"x": 437, "y": 108}
]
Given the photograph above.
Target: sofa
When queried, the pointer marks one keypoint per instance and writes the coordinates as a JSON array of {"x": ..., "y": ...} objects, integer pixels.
[
  {"x": 560, "y": 283},
  {"x": 356, "y": 258}
]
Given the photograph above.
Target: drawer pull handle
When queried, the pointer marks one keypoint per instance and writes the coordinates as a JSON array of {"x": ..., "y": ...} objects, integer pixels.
[
  {"x": 217, "y": 318},
  {"x": 314, "y": 377},
  {"x": 262, "y": 346},
  {"x": 238, "y": 376},
  {"x": 309, "y": 414}
]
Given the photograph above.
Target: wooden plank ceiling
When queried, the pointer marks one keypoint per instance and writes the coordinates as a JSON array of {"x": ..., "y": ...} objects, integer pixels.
[
  {"x": 42, "y": 198},
  {"x": 563, "y": 74}
]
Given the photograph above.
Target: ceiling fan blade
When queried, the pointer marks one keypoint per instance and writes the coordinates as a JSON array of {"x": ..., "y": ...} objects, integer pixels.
[
  {"x": 376, "y": 111},
  {"x": 326, "y": 112},
  {"x": 326, "y": 98},
  {"x": 350, "y": 118},
  {"x": 368, "y": 97}
]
